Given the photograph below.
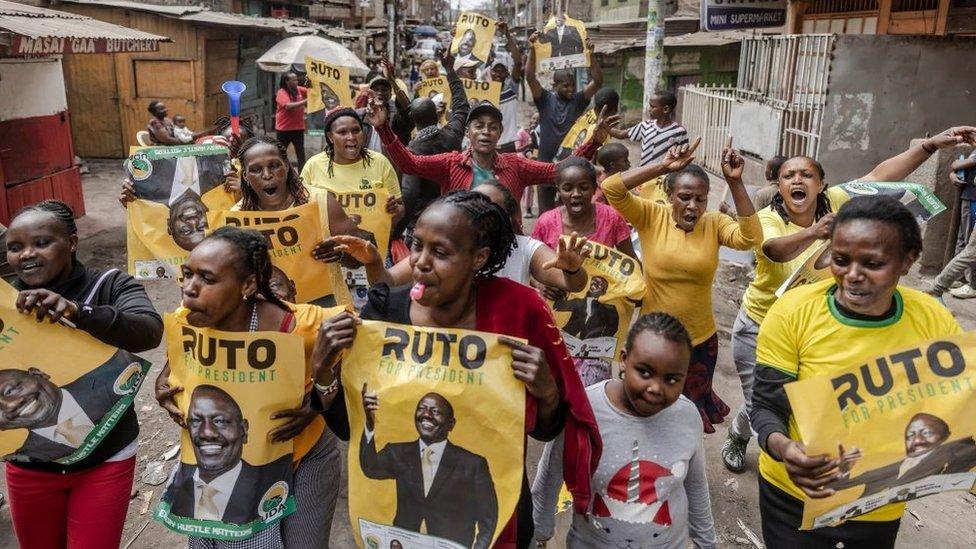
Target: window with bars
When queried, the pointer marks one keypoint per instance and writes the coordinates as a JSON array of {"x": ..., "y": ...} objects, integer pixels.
[{"x": 841, "y": 6}]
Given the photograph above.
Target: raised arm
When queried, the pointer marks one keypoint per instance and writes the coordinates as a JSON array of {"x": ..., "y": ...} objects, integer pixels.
[
  {"x": 459, "y": 98},
  {"x": 561, "y": 268},
  {"x": 436, "y": 167},
  {"x": 513, "y": 49},
  {"x": 402, "y": 101},
  {"x": 530, "y": 77},
  {"x": 898, "y": 167},
  {"x": 596, "y": 73}
]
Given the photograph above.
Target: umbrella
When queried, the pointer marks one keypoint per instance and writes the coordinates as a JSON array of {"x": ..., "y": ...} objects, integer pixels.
[
  {"x": 424, "y": 30},
  {"x": 290, "y": 53}
]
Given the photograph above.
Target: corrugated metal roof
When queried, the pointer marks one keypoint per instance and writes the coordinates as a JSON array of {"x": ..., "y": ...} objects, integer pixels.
[
  {"x": 207, "y": 16},
  {"x": 702, "y": 38},
  {"x": 141, "y": 6},
  {"x": 12, "y": 8},
  {"x": 58, "y": 27}
]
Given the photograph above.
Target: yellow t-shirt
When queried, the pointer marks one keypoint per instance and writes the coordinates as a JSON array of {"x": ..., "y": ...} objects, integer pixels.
[
  {"x": 653, "y": 190},
  {"x": 770, "y": 275},
  {"x": 362, "y": 190},
  {"x": 805, "y": 335},
  {"x": 679, "y": 266}
]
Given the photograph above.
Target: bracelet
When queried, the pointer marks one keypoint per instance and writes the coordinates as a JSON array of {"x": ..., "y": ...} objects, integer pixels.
[
  {"x": 571, "y": 272},
  {"x": 326, "y": 390},
  {"x": 926, "y": 149}
]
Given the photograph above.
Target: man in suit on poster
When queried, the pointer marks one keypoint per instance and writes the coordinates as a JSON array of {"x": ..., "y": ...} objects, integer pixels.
[
  {"x": 564, "y": 39},
  {"x": 221, "y": 486},
  {"x": 927, "y": 453},
  {"x": 59, "y": 419},
  {"x": 590, "y": 318},
  {"x": 442, "y": 489}
]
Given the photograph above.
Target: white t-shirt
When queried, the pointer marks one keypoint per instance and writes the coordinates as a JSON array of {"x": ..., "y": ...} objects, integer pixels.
[
  {"x": 519, "y": 264},
  {"x": 508, "y": 105}
]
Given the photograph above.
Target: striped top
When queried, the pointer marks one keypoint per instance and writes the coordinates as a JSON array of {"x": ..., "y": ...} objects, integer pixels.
[{"x": 655, "y": 141}]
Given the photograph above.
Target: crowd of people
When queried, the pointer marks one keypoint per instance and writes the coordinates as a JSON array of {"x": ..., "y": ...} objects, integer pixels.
[{"x": 447, "y": 249}]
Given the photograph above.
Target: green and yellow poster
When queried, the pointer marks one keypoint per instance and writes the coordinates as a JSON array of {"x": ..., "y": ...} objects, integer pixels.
[
  {"x": 901, "y": 423},
  {"x": 62, "y": 391},
  {"x": 561, "y": 44},
  {"x": 292, "y": 234},
  {"x": 473, "y": 37},
  {"x": 328, "y": 85},
  {"x": 175, "y": 187},
  {"x": 437, "y": 432},
  {"x": 594, "y": 321},
  {"x": 231, "y": 480}
]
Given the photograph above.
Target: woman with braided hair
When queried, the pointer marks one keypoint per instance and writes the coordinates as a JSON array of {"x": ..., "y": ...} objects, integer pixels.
[
  {"x": 85, "y": 502},
  {"x": 459, "y": 243},
  {"x": 227, "y": 286},
  {"x": 364, "y": 182},
  {"x": 794, "y": 226}
]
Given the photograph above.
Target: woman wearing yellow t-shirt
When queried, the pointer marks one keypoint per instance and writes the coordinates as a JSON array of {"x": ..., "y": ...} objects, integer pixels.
[
  {"x": 794, "y": 225},
  {"x": 365, "y": 183},
  {"x": 820, "y": 328},
  {"x": 679, "y": 246}
]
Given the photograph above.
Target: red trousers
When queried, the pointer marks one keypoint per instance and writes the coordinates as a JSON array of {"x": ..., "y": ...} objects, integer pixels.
[{"x": 82, "y": 510}]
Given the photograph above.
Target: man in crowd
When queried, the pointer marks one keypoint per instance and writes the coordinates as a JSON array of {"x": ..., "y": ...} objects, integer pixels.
[
  {"x": 558, "y": 111},
  {"x": 508, "y": 103},
  {"x": 659, "y": 133}
]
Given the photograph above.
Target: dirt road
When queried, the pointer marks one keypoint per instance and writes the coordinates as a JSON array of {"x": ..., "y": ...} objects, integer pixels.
[{"x": 947, "y": 521}]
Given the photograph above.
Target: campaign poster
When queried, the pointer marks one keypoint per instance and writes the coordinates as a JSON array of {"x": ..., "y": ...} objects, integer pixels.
[
  {"x": 429, "y": 87},
  {"x": 364, "y": 201},
  {"x": 439, "y": 461},
  {"x": 561, "y": 44},
  {"x": 814, "y": 269},
  {"x": 297, "y": 277},
  {"x": 175, "y": 188},
  {"x": 473, "y": 36},
  {"x": 478, "y": 91},
  {"x": 594, "y": 321},
  {"x": 328, "y": 85},
  {"x": 231, "y": 480},
  {"x": 62, "y": 391},
  {"x": 919, "y": 199},
  {"x": 902, "y": 424},
  {"x": 583, "y": 129}
]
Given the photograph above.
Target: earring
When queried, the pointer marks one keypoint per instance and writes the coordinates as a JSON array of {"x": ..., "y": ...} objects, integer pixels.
[{"x": 620, "y": 374}]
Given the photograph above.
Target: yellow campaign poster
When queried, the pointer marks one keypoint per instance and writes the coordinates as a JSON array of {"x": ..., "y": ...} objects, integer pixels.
[
  {"x": 292, "y": 235},
  {"x": 479, "y": 91},
  {"x": 561, "y": 44},
  {"x": 815, "y": 268},
  {"x": 231, "y": 480},
  {"x": 429, "y": 87},
  {"x": 328, "y": 85},
  {"x": 595, "y": 320},
  {"x": 902, "y": 424},
  {"x": 175, "y": 188},
  {"x": 55, "y": 407},
  {"x": 582, "y": 130},
  {"x": 473, "y": 38},
  {"x": 437, "y": 460}
]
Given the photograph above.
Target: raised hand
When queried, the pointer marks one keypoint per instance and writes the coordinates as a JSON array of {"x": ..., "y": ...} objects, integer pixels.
[
  {"x": 680, "y": 156},
  {"x": 569, "y": 257},
  {"x": 447, "y": 60},
  {"x": 377, "y": 114},
  {"x": 604, "y": 123},
  {"x": 732, "y": 163},
  {"x": 957, "y": 135},
  {"x": 357, "y": 248}
]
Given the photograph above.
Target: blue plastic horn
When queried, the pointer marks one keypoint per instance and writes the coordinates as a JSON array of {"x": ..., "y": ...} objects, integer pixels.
[{"x": 234, "y": 89}]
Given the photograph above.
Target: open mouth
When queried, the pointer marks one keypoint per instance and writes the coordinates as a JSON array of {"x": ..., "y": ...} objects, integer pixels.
[
  {"x": 798, "y": 196},
  {"x": 30, "y": 267},
  {"x": 427, "y": 425},
  {"x": 270, "y": 190},
  {"x": 690, "y": 218},
  {"x": 28, "y": 407},
  {"x": 856, "y": 295},
  {"x": 210, "y": 449}
]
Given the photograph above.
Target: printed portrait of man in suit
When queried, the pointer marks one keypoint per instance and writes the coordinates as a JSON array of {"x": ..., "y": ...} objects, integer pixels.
[
  {"x": 59, "y": 419},
  {"x": 329, "y": 97},
  {"x": 221, "y": 486},
  {"x": 564, "y": 39},
  {"x": 927, "y": 453},
  {"x": 590, "y": 318},
  {"x": 442, "y": 489}
]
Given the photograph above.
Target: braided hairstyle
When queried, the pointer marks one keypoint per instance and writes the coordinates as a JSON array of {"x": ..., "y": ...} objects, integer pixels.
[
  {"x": 509, "y": 204},
  {"x": 823, "y": 204},
  {"x": 578, "y": 162},
  {"x": 293, "y": 182},
  {"x": 222, "y": 124},
  {"x": 693, "y": 170},
  {"x": 61, "y": 211},
  {"x": 491, "y": 225},
  {"x": 252, "y": 248},
  {"x": 662, "y": 324},
  {"x": 330, "y": 119}
]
